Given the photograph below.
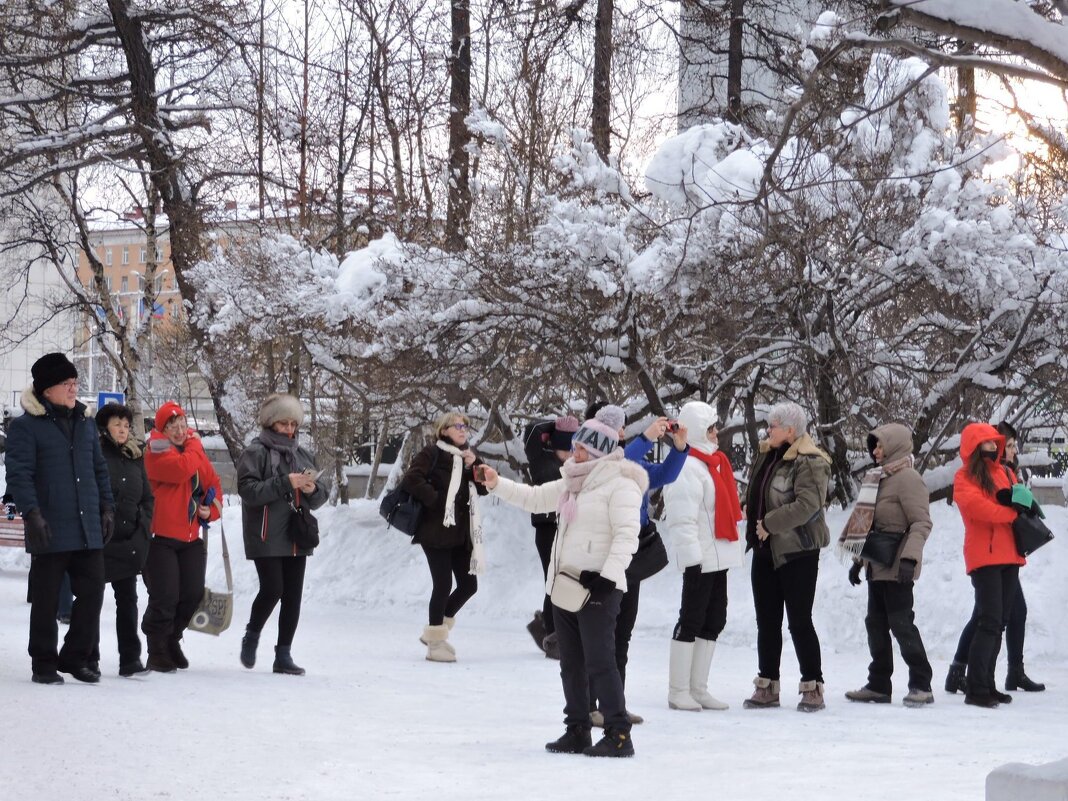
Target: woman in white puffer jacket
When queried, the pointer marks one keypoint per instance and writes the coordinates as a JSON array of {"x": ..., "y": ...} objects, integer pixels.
[
  {"x": 703, "y": 511},
  {"x": 599, "y": 504}
]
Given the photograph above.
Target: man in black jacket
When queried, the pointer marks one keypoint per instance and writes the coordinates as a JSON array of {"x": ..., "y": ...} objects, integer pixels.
[
  {"x": 58, "y": 477},
  {"x": 547, "y": 445}
]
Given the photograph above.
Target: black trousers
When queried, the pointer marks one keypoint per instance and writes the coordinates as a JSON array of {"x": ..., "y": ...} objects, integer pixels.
[
  {"x": 792, "y": 587},
  {"x": 588, "y": 658},
  {"x": 628, "y": 614},
  {"x": 544, "y": 534},
  {"x": 1015, "y": 631},
  {"x": 995, "y": 591},
  {"x": 125, "y": 591},
  {"x": 890, "y": 611},
  {"x": 446, "y": 563},
  {"x": 703, "y": 610},
  {"x": 86, "y": 570},
  {"x": 174, "y": 576},
  {"x": 281, "y": 580}
]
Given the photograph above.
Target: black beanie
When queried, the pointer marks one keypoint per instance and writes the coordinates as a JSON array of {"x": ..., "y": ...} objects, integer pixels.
[
  {"x": 111, "y": 410},
  {"x": 51, "y": 369}
]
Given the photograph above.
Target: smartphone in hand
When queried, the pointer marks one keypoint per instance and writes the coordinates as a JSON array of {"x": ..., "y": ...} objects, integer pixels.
[{"x": 480, "y": 473}]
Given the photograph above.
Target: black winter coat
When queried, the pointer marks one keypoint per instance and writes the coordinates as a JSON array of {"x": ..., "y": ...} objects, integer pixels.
[
  {"x": 58, "y": 467},
  {"x": 125, "y": 555},
  {"x": 265, "y": 495},
  {"x": 427, "y": 480},
  {"x": 544, "y": 466}
]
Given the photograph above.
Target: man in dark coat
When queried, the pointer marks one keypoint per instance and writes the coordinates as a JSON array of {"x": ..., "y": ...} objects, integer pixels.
[{"x": 58, "y": 477}]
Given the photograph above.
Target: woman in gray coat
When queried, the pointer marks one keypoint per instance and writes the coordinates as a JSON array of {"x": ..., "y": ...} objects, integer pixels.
[{"x": 275, "y": 474}]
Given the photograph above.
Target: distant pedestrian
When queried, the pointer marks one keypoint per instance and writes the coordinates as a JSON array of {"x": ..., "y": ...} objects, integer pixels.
[
  {"x": 58, "y": 477},
  {"x": 275, "y": 475},
  {"x": 182, "y": 478}
]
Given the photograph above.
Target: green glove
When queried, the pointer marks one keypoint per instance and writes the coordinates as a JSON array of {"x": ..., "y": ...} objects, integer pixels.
[{"x": 1021, "y": 496}]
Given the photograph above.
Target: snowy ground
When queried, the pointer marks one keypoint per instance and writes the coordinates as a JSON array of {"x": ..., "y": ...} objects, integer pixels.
[{"x": 373, "y": 719}]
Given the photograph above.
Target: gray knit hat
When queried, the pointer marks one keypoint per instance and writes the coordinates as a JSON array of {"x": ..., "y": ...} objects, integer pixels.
[{"x": 280, "y": 407}]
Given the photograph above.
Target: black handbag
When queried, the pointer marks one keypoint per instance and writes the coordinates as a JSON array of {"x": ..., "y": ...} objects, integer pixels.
[
  {"x": 651, "y": 556},
  {"x": 303, "y": 527},
  {"x": 401, "y": 511},
  {"x": 881, "y": 547},
  {"x": 1030, "y": 533}
]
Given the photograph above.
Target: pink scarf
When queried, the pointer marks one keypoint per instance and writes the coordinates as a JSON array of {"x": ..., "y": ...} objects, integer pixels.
[{"x": 574, "y": 476}]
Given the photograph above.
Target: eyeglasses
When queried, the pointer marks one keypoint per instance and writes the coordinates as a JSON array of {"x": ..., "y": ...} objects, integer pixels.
[
  {"x": 70, "y": 383},
  {"x": 459, "y": 426}
]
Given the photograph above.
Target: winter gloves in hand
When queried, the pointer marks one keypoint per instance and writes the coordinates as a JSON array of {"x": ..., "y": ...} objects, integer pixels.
[
  {"x": 598, "y": 585},
  {"x": 854, "y": 573},
  {"x": 38, "y": 534},
  {"x": 692, "y": 571},
  {"x": 107, "y": 524},
  {"x": 1004, "y": 497},
  {"x": 1019, "y": 498},
  {"x": 906, "y": 571}
]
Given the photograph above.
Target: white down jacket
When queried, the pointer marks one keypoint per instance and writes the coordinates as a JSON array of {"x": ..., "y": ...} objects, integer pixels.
[
  {"x": 604, "y": 534},
  {"x": 690, "y": 502}
]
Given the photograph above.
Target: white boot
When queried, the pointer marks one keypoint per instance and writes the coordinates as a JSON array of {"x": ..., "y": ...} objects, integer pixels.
[
  {"x": 449, "y": 623},
  {"x": 679, "y": 677},
  {"x": 702, "y": 660},
  {"x": 437, "y": 647}
]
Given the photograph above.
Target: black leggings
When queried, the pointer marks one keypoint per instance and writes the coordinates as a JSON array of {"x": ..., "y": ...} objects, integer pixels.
[
  {"x": 1014, "y": 632},
  {"x": 281, "y": 579},
  {"x": 445, "y": 563}
]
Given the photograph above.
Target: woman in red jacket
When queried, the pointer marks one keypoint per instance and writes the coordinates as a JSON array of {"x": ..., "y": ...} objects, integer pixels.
[
  {"x": 182, "y": 478},
  {"x": 982, "y": 490}
]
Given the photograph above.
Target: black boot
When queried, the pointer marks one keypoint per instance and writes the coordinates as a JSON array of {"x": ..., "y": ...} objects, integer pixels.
[
  {"x": 536, "y": 627},
  {"x": 47, "y": 677},
  {"x": 248, "y": 648},
  {"x": 574, "y": 741},
  {"x": 283, "y": 662},
  {"x": 984, "y": 700},
  {"x": 1002, "y": 698},
  {"x": 132, "y": 668},
  {"x": 159, "y": 656},
  {"x": 175, "y": 650},
  {"x": 955, "y": 679},
  {"x": 1018, "y": 680},
  {"x": 615, "y": 743}
]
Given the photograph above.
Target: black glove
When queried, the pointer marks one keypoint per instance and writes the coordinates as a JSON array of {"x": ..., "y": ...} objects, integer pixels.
[
  {"x": 854, "y": 573},
  {"x": 38, "y": 534},
  {"x": 598, "y": 585},
  {"x": 1004, "y": 497},
  {"x": 692, "y": 570},
  {"x": 107, "y": 525},
  {"x": 906, "y": 572}
]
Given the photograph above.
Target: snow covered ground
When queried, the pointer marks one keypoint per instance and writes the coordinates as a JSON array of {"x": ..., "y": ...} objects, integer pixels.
[{"x": 373, "y": 719}]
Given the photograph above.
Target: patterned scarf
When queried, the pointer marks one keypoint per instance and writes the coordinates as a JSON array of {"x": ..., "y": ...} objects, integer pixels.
[
  {"x": 861, "y": 519},
  {"x": 478, "y": 554},
  {"x": 574, "y": 476}
]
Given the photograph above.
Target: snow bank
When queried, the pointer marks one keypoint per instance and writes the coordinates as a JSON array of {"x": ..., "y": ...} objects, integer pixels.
[{"x": 1033, "y": 782}]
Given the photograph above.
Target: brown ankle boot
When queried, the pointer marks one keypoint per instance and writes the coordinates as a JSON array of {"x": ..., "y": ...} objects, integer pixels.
[
  {"x": 811, "y": 696},
  {"x": 766, "y": 695}
]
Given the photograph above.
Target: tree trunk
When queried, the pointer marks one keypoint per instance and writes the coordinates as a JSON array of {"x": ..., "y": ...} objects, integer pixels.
[
  {"x": 734, "y": 63},
  {"x": 602, "y": 77},
  {"x": 459, "y": 207}
]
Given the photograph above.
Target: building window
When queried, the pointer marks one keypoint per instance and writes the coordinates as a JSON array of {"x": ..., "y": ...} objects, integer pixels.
[
  {"x": 125, "y": 285},
  {"x": 140, "y": 282},
  {"x": 159, "y": 255},
  {"x": 107, "y": 282},
  {"x": 125, "y": 255},
  {"x": 144, "y": 255},
  {"x": 107, "y": 255}
]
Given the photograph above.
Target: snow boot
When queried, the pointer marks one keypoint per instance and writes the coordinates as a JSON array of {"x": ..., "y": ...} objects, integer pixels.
[
  {"x": 866, "y": 695},
  {"x": 985, "y": 700},
  {"x": 175, "y": 647},
  {"x": 159, "y": 656},
  {"x": 679, "y": 677},
  {"x": 437, "y": 646},
  {"x": 446, "y": 644},
  {"x": 765, "y": 696},
  {"x": 1003, "y": 698},
  {"x": 283, "y": 662},
  {"x": 536, "y": 627},
  {"x": 574, "y": 741},
  {"x": 551, "y": 646},
  {"x": 955, "y": 679},
  {"x": 249, "y": 643},
  {"x": 1018, "y": 680},
  {"x": 918, "y": 698},
  {"x": 132, "y": 668},
  {"x": 47, "y": 677},
  {"x": 615, "y": 743},
  {"x": 699, "y": 667},
  {"x": 811, "y": 696}
]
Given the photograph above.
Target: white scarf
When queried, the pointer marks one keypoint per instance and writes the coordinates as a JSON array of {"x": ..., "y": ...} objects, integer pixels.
[{"x": 478, "y": 553}]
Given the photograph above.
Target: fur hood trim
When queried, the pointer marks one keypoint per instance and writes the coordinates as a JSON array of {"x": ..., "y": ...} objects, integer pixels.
[{"x": 35, "y": 407}]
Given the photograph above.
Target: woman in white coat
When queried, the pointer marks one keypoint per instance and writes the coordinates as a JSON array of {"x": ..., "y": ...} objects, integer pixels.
[
  {"x": 599, "y": 503},
  {"x": 703, "y": 511}
]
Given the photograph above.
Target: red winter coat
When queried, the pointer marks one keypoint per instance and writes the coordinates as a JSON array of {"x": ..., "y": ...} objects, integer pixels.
[
  {"x": 180, "y": 477},
  {"x": 988, "y": 536}
]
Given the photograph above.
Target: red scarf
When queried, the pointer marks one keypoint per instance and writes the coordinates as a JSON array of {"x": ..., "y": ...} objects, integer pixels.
[{"x": 728, "y": 508}]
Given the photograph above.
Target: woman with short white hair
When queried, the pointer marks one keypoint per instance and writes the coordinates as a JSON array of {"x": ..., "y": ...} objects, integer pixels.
[{"x": 785, "y": 529}]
